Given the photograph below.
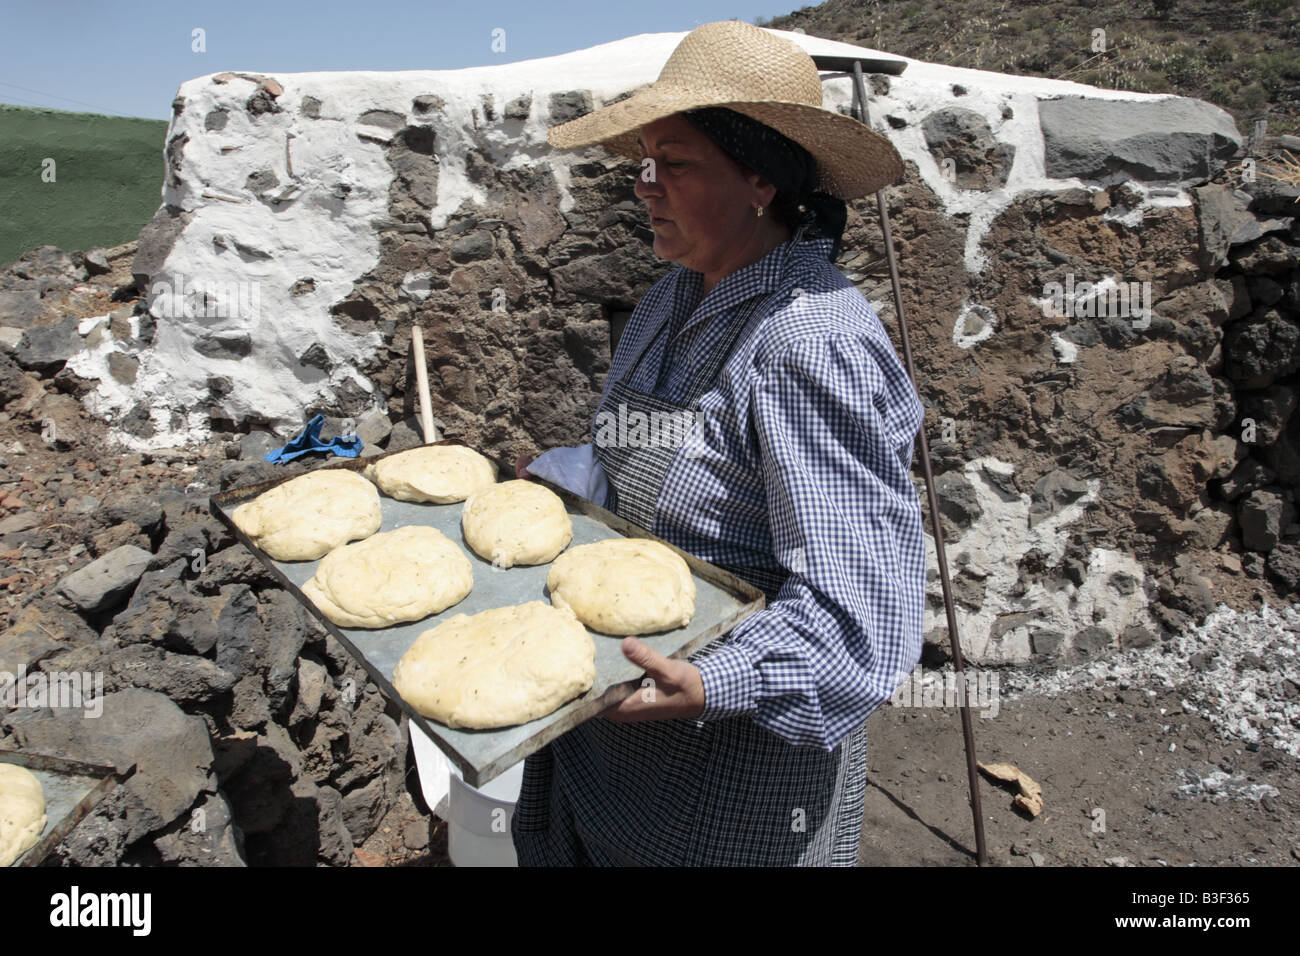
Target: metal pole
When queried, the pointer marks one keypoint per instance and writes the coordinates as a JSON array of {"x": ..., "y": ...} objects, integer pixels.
[{"x": 968, "y": 734}]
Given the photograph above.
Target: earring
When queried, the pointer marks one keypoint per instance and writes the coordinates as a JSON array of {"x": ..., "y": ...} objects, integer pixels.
[{"x": 760, "y": 209}]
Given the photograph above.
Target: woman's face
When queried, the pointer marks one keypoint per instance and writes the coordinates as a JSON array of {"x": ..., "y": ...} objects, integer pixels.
[{"x": 700, "y": 200}]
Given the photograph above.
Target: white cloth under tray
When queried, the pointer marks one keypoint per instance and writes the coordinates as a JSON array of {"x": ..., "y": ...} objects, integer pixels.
[{"x": 573, "y": 469}]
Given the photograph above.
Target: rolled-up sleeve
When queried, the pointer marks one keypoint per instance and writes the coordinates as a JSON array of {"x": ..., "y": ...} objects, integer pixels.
[{"x": 834, "y": 418}]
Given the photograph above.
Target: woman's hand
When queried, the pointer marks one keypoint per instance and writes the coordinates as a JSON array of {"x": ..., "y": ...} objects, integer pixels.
[
  {"x": 521, "y": 466},
  {"x": 669, "y": 689}
]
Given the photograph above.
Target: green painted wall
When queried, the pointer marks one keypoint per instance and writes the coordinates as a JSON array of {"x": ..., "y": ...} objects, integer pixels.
[{"x": 108, "y": 179}]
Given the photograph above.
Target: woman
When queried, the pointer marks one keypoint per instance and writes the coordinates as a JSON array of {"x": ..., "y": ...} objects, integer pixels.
[{"x": 794, "y": 476}]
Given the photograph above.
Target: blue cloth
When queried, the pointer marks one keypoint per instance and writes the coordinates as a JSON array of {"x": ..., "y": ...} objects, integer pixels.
[
  {"x": 802, "y": 465},
  {"x": 309, "y": 440}
]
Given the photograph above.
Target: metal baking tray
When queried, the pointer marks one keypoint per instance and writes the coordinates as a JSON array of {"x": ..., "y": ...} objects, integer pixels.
[
  {"x": 72, "y": 789},
  {"x": 722, "y": 600}
]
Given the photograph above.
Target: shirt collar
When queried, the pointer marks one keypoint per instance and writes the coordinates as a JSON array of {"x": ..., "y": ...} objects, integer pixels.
[{"x": 757, "y": 278}]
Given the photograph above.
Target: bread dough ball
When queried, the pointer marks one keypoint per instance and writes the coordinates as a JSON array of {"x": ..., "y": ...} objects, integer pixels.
[
  {"x": 311, "y": 515},
  {"x": 391, "y": 578},
  {"x": 22, "y": 811},
  {"x": 516, "y": 522},
  {"x": 497, "y": 668},
  {"x": 624, "y": 586},
  {"x": 441, "y": 474}
]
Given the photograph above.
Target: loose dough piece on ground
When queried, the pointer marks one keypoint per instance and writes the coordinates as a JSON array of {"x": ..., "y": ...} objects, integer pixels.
[
  {"x": 22, "y": 811},
  {"x": 497, "y": 668},
  {"x": 516, "y": 522},
  {"x": 391, "y": 578},
  {"x": 624, "y": 586},
  {"x": 440, "y": 474},
  {"x": 311, "y": 515}
]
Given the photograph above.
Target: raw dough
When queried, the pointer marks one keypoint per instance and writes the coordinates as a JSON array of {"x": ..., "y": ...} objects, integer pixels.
[
  {"x": 440, "y": 474},
  {"x": 22, "y": 811},
  {"x": 624, "y": 586},
  {"x": 311, "y": 515},
  {"x": 391, "y": 578},
  {"x": 497, "y": 668},
  {"x": 516, "y": 522}
]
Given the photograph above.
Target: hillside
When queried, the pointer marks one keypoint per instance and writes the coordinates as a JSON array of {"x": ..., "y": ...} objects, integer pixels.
[
  {"x": 105, "y": 185},
  {"x": 1241, "y": 55}
]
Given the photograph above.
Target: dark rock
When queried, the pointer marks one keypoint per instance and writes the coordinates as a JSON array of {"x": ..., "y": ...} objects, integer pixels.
[
  {"x": 21, "y": 308},
  {"x": 225, "y": 345},
  {"x": 289, "y": 626},
  {"x": 316, "y": 357},
  {"x": 1054, "y": 491},
  {"x": 568, "y": 106},
  {"x": 1269, "y": 410},
  {"x": 23, "y": 647},
  {"x": 122, "y": 367},
  {"x": 54, "y": 620},
  {"x": 107, "y": 580},
  {"x": 13, "y": 384},
  {"x": 1283, "y": 456},
  {"x": 259, "y": 791},
  {"x": 240, "y": 632},
  {"x": 312, "y": 679},
  {"x": 45, "y": 348},
  {"x": 46, "y": 262},
  {"x": 170, "y": 750},
  {"x": 1284, "y": 567},
  {"x": 477, "y": 245},
  {"x": 182, "y": 677},
  {"x": 373, "y": 748},
  {"x": 1177, "y": 140},
  {"x": 249, "y": 709},
  {"x": 95, "y": 262},
  {"x": 156, "y": 241},
  {"x": 428, "y": 103},
  {"x": 1269, "y": 197},
  {"x": 123, "y": 507},
  {"x": 1248, "y": 476},
  {"x": 170, "y": 617},
  {"x": 407, "y": 434},
  {"x": 1260, "y": 348},
  {"x": 234, "y": 565},
  {"x": 374, "y": 428},
  {"x": 189, "y": 544},
  {"x": 1136, "y": 637},
  {"x": 519, "y": 107},
  {"x": 255, "y": 446},
  {"x": 980, "y": 160},
  {"x": 957, "y": 500},
  {"x": 1046, "y": 644},
  {"x": 1263, "y": 515},
  {"x": 1091, "y": 643},
  {"x": 363, "y": 808},
  {"x": 207, "y": 837},
  {"x": 1222, "y": 213},
  {"x": 1271, "y": 255}
]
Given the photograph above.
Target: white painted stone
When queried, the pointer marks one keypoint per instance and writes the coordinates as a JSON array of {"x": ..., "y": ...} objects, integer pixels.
[{"x": 995, "y": 544}]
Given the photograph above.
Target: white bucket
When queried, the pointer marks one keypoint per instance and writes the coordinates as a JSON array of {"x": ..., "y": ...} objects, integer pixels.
[{"x": 478, "y": 820}]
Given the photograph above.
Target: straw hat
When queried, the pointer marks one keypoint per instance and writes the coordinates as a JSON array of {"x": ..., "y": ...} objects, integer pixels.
[{"x": 747, "y": 69}]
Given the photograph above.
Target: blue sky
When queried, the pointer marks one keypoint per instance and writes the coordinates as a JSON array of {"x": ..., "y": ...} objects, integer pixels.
[{"x": 128, "y": 58}]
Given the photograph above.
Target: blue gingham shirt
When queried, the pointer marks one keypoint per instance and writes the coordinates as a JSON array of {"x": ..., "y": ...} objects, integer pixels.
[{"x": 803, "y": 456}]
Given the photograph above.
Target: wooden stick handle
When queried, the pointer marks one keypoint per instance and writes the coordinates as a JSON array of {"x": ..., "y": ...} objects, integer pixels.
[{"x": 422, "y": 380}]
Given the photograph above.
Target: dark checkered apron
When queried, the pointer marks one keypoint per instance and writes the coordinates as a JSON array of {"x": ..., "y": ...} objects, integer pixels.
[{"x": 681, "y": 792}]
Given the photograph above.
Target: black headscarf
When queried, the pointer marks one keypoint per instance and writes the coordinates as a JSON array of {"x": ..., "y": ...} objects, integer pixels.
[{"x": 781, "y": 161}]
